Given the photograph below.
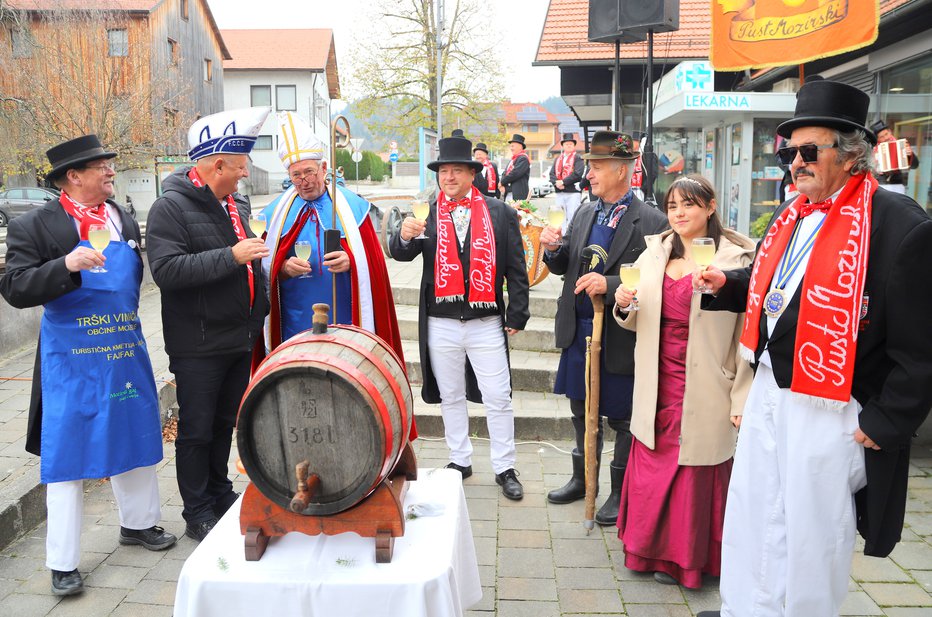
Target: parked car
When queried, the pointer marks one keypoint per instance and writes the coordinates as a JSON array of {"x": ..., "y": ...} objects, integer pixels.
[
  {"x": 286, "y": 184},
  {"x": 17, "y": 201},
  {"x": 540, "y": 187}
]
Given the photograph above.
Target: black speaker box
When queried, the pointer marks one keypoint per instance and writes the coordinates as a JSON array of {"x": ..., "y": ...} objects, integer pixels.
[{"x": 629, "y": 20}]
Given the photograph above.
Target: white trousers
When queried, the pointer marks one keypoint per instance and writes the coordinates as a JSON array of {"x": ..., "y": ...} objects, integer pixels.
[
  {"x": 450, "y": 342},
  {"x": 790, "y": 521},
  {"x": 568, "y": 202},
  {"x": 137, "y": 496}
]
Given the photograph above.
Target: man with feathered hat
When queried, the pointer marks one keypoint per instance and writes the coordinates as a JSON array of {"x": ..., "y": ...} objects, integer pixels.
[
  {"x": 207, "y": 263},
  {"x": 349, "y": 275}
]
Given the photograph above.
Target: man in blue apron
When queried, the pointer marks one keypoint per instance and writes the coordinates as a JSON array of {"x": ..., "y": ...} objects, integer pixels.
[
  {"x": 617, "y": 224},
  {"x": 96, "y": 415}
]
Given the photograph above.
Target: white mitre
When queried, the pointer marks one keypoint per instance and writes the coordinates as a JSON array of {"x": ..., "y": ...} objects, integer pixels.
[
  {"x": 298, "y": 141},
  {"x": 226, "y": 132}
]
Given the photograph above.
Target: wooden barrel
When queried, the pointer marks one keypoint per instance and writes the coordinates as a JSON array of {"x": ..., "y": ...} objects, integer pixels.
[
  {"x": 533, "y": 254},
  {"x": 339, "y": 400}
]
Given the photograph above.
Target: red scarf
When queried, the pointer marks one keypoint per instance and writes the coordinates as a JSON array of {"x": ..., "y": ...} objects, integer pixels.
[
  {"x": 85, "y": 215},
  {"x": 490, "y": 175},
  {"x": 237, "y": 228},
  {"x": 448, "y": 271},
  {"x": 832, "y": 288},
  {"x": 565, "y": 164},
  {"x": 308, "y": 213},
  {"x": 511, "y": 165},
  {"x": 637, "y": 177}
]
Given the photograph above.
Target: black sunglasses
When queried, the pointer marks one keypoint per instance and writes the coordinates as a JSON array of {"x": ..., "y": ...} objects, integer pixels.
[{"x": 809, "y": 152}]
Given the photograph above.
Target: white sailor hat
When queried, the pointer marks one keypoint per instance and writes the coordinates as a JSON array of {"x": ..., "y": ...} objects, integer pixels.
[
  {"x": 298, "y": 141},
  {"x": 226, "y": 132}
]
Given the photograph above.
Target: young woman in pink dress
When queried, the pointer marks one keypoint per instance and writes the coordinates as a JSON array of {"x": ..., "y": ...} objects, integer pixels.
[{"x": 689, "y": 389}]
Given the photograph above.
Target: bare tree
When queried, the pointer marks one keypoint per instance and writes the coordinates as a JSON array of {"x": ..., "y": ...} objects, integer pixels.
[
  {"x": 394, "y": 79},
  {"x": 69, "y": 72}
]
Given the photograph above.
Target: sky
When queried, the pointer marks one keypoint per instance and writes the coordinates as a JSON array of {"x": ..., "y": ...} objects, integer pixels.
[{"x": 519, "y": 23}]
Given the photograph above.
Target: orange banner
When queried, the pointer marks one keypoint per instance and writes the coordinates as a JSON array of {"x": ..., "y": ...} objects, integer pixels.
[{"x": 760, "y": 33}]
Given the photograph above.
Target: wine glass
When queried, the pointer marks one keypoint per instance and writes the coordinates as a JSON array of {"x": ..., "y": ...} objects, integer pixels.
[
  {"x": 421, "y": 209},
  {"x": 257, "y": 224},
  {"x": 99, "y": 237},
  {"x": 556, "y": 216},
  {"x": 703, "y": 253},
  {"x": 302, "y": 250},
  {"x": 631, "y": 278}
]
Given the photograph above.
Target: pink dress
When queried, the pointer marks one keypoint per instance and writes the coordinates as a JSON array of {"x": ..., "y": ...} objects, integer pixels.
[{"x": 671, "y": 517}]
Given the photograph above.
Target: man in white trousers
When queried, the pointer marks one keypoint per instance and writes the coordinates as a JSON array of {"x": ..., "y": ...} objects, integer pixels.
[
  {"x": 837, "y": 324},
  {"x": 565, "y": 174},
  {"x": 471, "y": 245}
]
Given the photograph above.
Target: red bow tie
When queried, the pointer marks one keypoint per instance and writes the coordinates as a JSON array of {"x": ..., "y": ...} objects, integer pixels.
[
  {"x": 448, "y": 206},
  {"x": 807, "y": 209}
]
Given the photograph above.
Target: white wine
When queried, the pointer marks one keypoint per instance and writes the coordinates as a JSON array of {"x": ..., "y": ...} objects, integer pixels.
[
  {"x": 556, "y": 216},
  {"x": 257, "y": 225},
  {"x": 302, "y": 250},
  {"x": 703, "y": 254},
  {"x": 630, "y": 276},
  {"x": 421, "y": 210},
  {"x": 99, "y": 237}
]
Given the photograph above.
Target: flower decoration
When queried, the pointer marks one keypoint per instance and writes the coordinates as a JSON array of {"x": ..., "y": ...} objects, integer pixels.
[
  {"x": 623, "y": 145},
  {"x": 527, "y": 213}
]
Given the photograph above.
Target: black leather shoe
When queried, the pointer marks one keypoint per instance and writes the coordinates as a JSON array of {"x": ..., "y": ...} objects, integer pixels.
[
  {"x": 665, "y": 579},
  {"x": 154, "y": 538},
  {"x": 466, "y": 471},
  {"x": 199, "y": 531},
  {"x": 709, "y": 614},
  {"x": 511, "y": 488},
  {"x": 67, "y": 583}
]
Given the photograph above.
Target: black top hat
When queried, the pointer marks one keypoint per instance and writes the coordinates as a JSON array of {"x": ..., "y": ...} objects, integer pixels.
[
  {"x": 518, "y": 139},
  {"x": 878, "y": 126},
  {"x": 74, "y": 153},
  {"x": 829, "y": 104},
  {"x": 457, "y": 133},
  {"x": 455, "y": 150},
  {"x": 481, "y": 146},
  {"x": 568, "y": 137},
  {"x": 612, "y": 145}
]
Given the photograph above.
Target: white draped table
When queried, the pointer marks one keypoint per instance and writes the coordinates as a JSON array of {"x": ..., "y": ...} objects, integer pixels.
[{"x": 433, "y": 572}]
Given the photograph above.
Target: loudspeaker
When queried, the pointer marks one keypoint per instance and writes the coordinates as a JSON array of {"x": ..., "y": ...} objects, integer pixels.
[
  {"x": 629, "y": 20},
  {"x": 603, "y": 23}
]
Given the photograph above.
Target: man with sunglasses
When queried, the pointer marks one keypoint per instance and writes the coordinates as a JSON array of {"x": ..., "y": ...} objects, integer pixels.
[{"x": 836, "y": 324}]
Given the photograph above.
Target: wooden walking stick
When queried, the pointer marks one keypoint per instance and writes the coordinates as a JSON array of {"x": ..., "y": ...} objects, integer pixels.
[{"x": 593, "y": 384}]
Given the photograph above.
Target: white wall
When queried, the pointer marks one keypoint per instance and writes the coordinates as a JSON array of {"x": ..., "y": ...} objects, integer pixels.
[{"x": 236, "y": 87}]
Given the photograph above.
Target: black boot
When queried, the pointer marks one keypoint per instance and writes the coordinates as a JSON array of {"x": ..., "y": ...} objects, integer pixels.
[
  {"x": 608, "y": 513},
  {"x": 575, "y": 489}
]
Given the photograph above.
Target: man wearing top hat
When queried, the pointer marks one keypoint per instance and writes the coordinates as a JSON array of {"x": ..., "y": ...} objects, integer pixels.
[
  {"x": 616, "y": 223},
  {"x": 472, "y": 247},
  {"x": 837, "y": 326},
  {"x": 94, "y": 411},
  {"x": 565, "y": 174},
  {"x": 207, "y": 263},
  {"x": 352, "y": 278},
  {"x": 515, "y": 179},
  {"x": 894, "y": 180},
  {"x": 487, "y": 180}
]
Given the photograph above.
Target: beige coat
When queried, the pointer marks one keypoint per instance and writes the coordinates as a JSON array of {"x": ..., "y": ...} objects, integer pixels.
[{"x": 717, "y": 379}]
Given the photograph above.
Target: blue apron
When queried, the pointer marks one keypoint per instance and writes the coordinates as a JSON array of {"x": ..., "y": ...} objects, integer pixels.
[
  {"x": 616, "y": 391},
  {"x": 100, "y": 410}
]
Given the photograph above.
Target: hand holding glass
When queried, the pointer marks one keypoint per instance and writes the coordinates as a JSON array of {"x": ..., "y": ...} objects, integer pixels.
[
  {"x": 421, "y": 211},
  {"x": 631, "y": 279},
  {"x": 703, "y": 253},
  {"x": 556, "y": 216},
  {"x": 99, "y": 237},
  {"x": 302, "y": 250},
  {"x": 257, "y": 224}
]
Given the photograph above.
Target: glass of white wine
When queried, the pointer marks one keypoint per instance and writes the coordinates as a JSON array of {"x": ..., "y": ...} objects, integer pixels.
[
  {"x": 556, "y": 216},
  {"x": 302, "y": 250},
  {"x": 631, "y": 278},
  {"x": 703, "y": 253},
  {"x": 99, "y": 237},
  {"x": 421, "y": 209},
  {"x": 257, "y": 224}
]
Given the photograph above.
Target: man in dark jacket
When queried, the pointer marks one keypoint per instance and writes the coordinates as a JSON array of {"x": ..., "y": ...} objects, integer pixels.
[
  {"x": 843, "y": 373},
  {"x": 94, "y": 410},
  {"x": 516, "y": 178},
  {"x": 207, "y": 263},
  {"x": 487, "y": 180},
  {"x": 617, "y": 224},
  {"x": 472, "y": 247},
  {"x": 565, "y": 174}
]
